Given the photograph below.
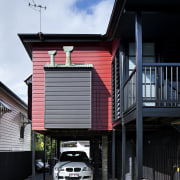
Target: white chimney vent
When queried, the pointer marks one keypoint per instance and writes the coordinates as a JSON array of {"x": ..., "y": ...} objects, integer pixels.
[{"x": 68, "y": 50}]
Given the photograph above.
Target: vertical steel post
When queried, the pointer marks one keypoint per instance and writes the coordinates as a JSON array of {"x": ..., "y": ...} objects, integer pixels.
[
  {"x": 51, "y": 159},
  {"x": 123, "y": 150},
  {"x": 113, "y": 153},
  {"x": 44, "y": 172},
  {"x": 115, "y": 77},
  {"x": 55, "y": 149},
  {"x": 104, "y": 157},
  {"x": 122, "y": 110},
  {"x": 139, "y": 119},
  {"x": 58, "y": 148},
  {"x": 33, "y": 155},
  {"x": 121, "y": 56}
]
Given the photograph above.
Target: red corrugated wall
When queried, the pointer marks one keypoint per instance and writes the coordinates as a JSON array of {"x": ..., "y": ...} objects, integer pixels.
[{"x": 98, "y": 54}]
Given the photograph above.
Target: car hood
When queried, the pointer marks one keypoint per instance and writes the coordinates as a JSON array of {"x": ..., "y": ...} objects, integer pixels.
[{"x": 71, "y": 164}]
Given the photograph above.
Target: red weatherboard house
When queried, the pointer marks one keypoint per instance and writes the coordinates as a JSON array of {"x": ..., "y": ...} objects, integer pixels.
[
  {"x": 120, "y": 90},
  {"x": 94, "y": 51},
  {"x": 71, "y": 100}
]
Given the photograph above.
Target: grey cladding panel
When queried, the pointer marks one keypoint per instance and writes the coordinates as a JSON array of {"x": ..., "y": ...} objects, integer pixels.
[
  {"x": 67, "y": 74},
  {"x": 73, "y": 79},
  {"x": 67, "y": 89},
  {"x": 67, "y": 116},
  {"x": 68, "y": 99},
  {"x": 68, "y": 84},
  {"x": 67, "y": 126},
  {"x": 65, "y": 112},
  {"x": 66, "y": 103},
  {"x": 67, "y": 93},
  {"x": 65, "y": 107}
]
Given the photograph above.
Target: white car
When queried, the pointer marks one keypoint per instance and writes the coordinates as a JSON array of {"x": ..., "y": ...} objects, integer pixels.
[{"x": 73, "y": 165}]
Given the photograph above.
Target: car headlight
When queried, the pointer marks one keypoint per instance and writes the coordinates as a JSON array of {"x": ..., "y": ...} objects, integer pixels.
[
  {"x": 86, "y": 168},
  {"x": 59, "y": 169}
]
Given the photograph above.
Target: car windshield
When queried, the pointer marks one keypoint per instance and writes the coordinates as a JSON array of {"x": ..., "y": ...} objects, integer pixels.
[{"x": 74, "y": 156}]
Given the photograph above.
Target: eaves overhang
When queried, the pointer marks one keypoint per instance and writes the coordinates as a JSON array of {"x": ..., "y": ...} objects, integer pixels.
[
  {"x": 117, "y": 11},
  {"x": 6, "y": 90},
  {"x": 29, "y": 39},
  {"x": 159, "y": 18}
]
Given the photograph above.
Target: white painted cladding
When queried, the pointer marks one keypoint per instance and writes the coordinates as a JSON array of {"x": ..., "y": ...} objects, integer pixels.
[{"x": 10, "y": 130}]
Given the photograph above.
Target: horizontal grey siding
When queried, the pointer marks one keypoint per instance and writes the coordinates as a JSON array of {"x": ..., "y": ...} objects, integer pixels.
[
  {"x": 66, "y": 80},
  {"x": 68, "y": 99},
  {"x": 67, "y": 74},
  {"x": 66, "y": 93},
  {"x": 68, "y": 103},
  {"x": 67, "y": 89},
  {"x": 68, "y": 84},
  {"x": 67, "y": 126}
]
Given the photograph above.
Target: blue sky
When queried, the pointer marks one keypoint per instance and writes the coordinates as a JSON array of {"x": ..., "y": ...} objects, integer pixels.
[
  {"x": 86, "y": 5},
  {"x": 60, "y": 17}
]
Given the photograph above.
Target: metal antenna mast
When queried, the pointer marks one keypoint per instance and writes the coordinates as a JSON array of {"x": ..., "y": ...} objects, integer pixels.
[{"x": 40, "y": 7}]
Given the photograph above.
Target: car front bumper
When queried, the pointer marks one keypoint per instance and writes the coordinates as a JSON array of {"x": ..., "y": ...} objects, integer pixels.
[{"x": 83, "y": 175}]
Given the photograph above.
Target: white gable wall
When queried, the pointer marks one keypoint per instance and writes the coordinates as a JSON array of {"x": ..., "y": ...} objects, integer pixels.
[{"x": 10, "y": 128}]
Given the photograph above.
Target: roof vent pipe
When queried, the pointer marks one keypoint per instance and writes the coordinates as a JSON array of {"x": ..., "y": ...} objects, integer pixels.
[
  {"x": 68, "y": 50},
  {"x": 52, "y": 54}
]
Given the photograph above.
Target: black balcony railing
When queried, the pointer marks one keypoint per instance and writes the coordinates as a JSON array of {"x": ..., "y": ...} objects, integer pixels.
[
  {"x": 160, "y": 86},
  {"x": 130, "y": 91}
]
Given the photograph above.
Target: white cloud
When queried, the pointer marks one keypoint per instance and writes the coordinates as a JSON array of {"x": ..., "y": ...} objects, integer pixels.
[{"x": 61, "y": 16}]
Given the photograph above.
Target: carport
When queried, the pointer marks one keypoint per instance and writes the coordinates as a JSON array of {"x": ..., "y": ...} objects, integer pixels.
[{"x": 100, "y": 142}]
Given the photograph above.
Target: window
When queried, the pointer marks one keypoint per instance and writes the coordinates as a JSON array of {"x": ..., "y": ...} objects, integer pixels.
[
  {"x": 148, "y": 78},
  {"x": 22, "y": 132}
]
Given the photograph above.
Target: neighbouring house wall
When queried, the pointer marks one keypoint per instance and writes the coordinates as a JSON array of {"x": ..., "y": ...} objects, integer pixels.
[
  {"x": 10, "y": 128},
  {"x": 98, "y": 54}
]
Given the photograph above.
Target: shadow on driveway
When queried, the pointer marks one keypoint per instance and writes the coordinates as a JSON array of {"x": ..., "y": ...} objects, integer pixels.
[{"x": 39, "y": 176}]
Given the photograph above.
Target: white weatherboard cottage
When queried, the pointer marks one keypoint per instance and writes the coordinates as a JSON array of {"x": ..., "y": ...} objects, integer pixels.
[{"x": 15, "y": 127}]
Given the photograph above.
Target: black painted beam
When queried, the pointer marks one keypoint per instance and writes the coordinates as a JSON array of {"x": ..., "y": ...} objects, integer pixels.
[
  {"x": 58, "y": 148},
  {"x": 44, "y": 170},
  {"x": 113, "y": 153},
  {"x": 139, "y": 119},
  {"x": 33, "y": 155},
  {"x": 51, "y": 158},
  {"x": 123, "y": 151}
]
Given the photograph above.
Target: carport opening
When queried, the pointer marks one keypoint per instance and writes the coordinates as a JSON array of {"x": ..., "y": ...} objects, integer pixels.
[{"x": 48, "y": 149}]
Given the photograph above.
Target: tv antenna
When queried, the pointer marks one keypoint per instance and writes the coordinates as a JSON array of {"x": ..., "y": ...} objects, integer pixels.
[{"x": 37, "y": 8}]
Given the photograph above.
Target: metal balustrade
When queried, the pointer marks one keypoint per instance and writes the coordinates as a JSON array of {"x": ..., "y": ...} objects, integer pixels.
[
  {"x": 160, "y": 86},
  {"x": 130, "y": 91}
]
